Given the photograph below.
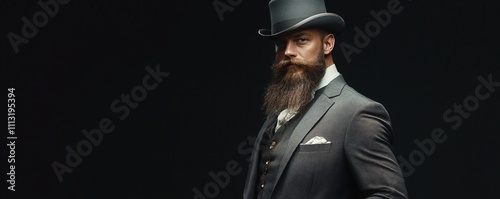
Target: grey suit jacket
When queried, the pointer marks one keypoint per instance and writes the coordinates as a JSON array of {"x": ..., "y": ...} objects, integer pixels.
[{"x": 358, "y": 163}]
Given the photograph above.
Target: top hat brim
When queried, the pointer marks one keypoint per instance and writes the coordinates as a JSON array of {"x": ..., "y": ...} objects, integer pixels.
[{"x": 331, "y": 22}]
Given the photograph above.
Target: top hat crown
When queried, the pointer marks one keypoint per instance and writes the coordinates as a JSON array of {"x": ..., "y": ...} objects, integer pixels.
[{"x": 288, "y": 15}]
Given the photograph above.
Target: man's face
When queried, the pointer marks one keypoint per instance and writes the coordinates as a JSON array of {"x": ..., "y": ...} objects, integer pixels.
[
  {"x": 297, "y": 70},
  {"x": 297, "y": 52}
]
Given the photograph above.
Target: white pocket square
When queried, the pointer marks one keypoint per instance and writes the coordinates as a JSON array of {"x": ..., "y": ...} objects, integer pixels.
[{"x": 317, "y": 140}]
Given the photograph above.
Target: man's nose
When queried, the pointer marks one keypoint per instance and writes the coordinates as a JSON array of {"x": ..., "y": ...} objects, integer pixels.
[{"x": 290, "y": 50}]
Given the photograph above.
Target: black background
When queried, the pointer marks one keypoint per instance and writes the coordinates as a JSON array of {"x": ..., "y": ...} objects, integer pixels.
[{"x": 199, "y": 119}]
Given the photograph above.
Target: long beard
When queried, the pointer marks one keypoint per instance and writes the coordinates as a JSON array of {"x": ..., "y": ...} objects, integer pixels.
[{"x": 293, "y": 84}]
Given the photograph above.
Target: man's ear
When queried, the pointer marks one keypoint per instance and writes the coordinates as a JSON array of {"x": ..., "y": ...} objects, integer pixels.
[{"x": 328, "y": 43}]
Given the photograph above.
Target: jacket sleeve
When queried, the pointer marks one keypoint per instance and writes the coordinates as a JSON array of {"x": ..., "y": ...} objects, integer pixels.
[{"x": 370, "y": 155}]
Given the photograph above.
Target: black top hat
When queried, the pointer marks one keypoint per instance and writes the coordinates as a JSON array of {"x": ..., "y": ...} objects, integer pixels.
[{"x": 287, "y": 15}]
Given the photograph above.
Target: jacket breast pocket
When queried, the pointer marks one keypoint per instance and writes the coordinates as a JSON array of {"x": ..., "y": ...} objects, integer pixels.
[{"x": 310, "y": 148}]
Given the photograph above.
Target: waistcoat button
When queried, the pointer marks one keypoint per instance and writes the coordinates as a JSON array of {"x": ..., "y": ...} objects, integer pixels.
[{"x": 273, "y": 144}]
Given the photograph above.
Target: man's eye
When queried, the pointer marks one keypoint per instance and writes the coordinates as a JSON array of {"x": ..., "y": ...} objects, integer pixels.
[{"x": 301, "y": 40}]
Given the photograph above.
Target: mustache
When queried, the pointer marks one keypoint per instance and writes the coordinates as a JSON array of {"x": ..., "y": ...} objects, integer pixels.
[{"x": 281, "y": 67}]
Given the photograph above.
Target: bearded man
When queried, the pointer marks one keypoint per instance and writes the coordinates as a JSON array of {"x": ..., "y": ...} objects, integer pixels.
[{"x": 321, "y": 138}]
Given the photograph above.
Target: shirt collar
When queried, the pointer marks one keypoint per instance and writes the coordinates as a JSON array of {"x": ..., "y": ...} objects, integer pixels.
[{"x": 330, "y": 74}]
